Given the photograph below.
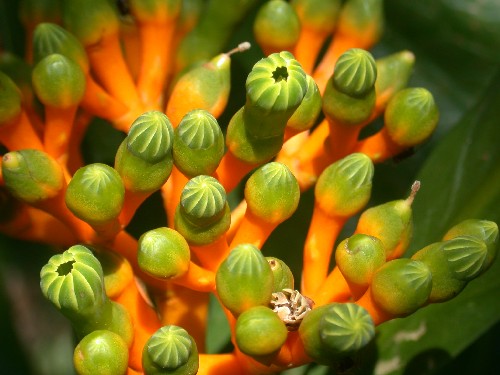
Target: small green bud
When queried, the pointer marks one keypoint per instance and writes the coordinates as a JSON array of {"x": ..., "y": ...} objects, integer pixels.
[
  {"x": 307, "y": 113},
  {"x": 101, "y": 352},
  {"x": 151, "y": 137},
  {"x": 358, "y": 257},
  {"x": 90, "y": 20},
  {"x": 272, "y": 192},
  {"x": 58, "y": 81},
  {"x": 244, "y": 279},
  {"x": 95, "y": 194},
  {"x": 483, "y": 230},
  {"x": 198, "y": 144},
  {"x": 411, "y": 116},
  {"x": 466, "y": 256},
  {"x": 117, "y": 271},
  {"x": 318, "y": 15},
  {"x": 445, "y": 284},
  {"x": 73, "y": 282},
  {"x": 163, "y": 253},
  {"x": 344, "y": 187},
  {"x": 401, "y": 286},
  {"x": 144, "y": 158},
  {"x": 349, "y": 96},
  {"x": 276, "y": 27},
  {"x": 336, "y": 330},
  {"x": 19, "y": 71},
  {"x": 49, "y": 38},
  {"x": 171, "y": 350},
  {"x": 282, "y": 274},
  {"x": 359, "y": 17},
  {"x": 10, "y": 101},
  {"x": 390, "y": 222},
  {"x": 394, "y": 71},
  {"x": 275, "y": 88},
  {"x": 355, "y": 72},
  {"x": 260, "y": 332},
  {"x": 32, "y": 175}
]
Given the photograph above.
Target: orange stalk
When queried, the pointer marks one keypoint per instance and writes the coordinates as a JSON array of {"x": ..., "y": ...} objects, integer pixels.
[
  {"x": 334, "y": 289},
  {"x": 378, "y": 315},
  {"x": 318, "y": 248},
  {"x": 186, "y": 308},
  {"x": 212, "y": 255},
  {"x": 144, "y": 319},
  {"x": 57, "y": 132},
  {"x": 253, "y": 230},
  {"x": 155, "y": 39},
  {"x": 171, "y": 193},
  {"x": 20, "y": 135},
  {"x": 219, "y": 364},
  {"x": 231, "y": 171},
  {"x": 131, "y": 203},
  {"x": 106, "y": 57},
  {"x": 308, "y": 47},
  {"x": 237, "y": 215},
  {"x": 379, "y": 147},
  {"x": 197, "y": 278},
  {"x": 75, "y": 159}
]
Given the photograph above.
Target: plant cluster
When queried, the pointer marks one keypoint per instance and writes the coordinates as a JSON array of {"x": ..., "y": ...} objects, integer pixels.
[{"x": 154, "y": 70}]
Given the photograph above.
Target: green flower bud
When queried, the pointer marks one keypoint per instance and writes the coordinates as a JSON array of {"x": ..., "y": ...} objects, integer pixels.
[
  {"x": 466, "y": 256},
  {"x": 318, "y": 15},
  {"x": 10, "y": 101},
  {"x": 272, "y": 193},
  {"x": 394, "y": 71},
  {"x": 307, "y": 113},
  {"x": 151, "y": 137},
  {"x": 89, "y": 20},
  {"x": 171, "y": 350},
  {"x": 336, "y": 330},
  {"x": 282, "y": 274},
  {"x": 483, "y": 230},
  {"x": 275, "y": 88},
  {"x": 358, "y": 17},
  {"x": 19, "y": 71},
  {"x": 349, "y": 96},
  {"x": 245, "y": 147},
  {"x": 101, "y": 352},
  {"x": 391, "y": 222},
  {"x": 411, "y": 116},
  {"x": 355, "y": 72},
  {"x": 198, "y": 144},
  {"x": 32, "y": 176},
  {"x": 95, "y": 194},
  {"x": 344, "y": 187},
  {"x": 58, "y": 81},
  {"x": 163, "y": 253},
  {"x": 244, "y": 279},
  {"x": 49, "y": 38},
  {"x": 401, "y": 286},
  {"x": 276, "y": 26},
  {"x": 144, "y": 158},
  {"x": 445, "y": 284},
  {"x": 260, "y": 332},
  {"x": 73, "y": 282},
  {"x": 358, "y": 257}
]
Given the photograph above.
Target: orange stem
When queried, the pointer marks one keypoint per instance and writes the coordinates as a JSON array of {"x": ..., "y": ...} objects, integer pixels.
[
  {"x": 334, "y": 289},
  {"x": 378, "y": 314},
  {"x": 212, "y": 255},
  {"x": 379, "y": 147},
  {"x": 253, "y": 230},
  {"x": 171, "y": 192},
  {"x": 197, "y": 278},
  {"x": 144, "y": 319},
  {"x": 318, "y": 248},
  {"x": 20, "y": 135},
  {"x": 237, "y": 215},
  {"x": 131, "y": 203},
  {"x": 308, "y": 47},
  {"x": 75, "y": 159},
  {"x": 231, "y": 171},
  {"x": 156, "y": 39},
  {"x": 57, "y": 133},
  {"x": 211, "y": 364}
]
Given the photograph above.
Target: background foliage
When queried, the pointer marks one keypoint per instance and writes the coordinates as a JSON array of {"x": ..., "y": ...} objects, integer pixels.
[{"x": 457, "y": 44}]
